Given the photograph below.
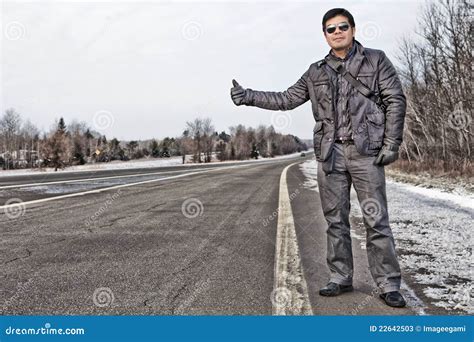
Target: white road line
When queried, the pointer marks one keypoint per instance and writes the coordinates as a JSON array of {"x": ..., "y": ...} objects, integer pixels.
[
  {"x": 290, "y": 291},
  {"x": 88, "y": 179},
  {"x": 109, "y": 188}
]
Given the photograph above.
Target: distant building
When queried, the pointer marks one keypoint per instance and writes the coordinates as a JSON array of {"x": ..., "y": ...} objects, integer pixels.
[{"x": 19, "y": 159}]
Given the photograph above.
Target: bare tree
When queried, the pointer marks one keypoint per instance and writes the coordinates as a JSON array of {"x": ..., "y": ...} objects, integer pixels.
[
  {"x": 10, "y": 125},
  {"x": 209, "y": 138},
  {"x": 185, "y": 144},
  {"x": 30, "y": 142},
  {"x": 196, "y": 132},
  {"x": 239, "y": 142},
  {"x": 437, "y": 75}
]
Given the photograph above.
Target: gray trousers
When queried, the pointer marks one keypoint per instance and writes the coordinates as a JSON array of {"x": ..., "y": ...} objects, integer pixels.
[{"x": 369, "y": 183}]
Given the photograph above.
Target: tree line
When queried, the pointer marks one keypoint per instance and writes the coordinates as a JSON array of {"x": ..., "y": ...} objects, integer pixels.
[{"x": 24, "y": 146}]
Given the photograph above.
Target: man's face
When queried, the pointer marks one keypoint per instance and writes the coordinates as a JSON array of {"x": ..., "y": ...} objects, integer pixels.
[{"x": 339, "y": 40}]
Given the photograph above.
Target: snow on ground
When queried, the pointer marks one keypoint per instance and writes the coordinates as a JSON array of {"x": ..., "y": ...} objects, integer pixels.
[
  {"x": 132, "y": 164},
  {"x": 448, "y": 184},
  {"x": 433, "y": 229},
  {"x": 310, "y": 170},
  {"x": 113, "y": 165},
  {"x": 462, "y": 200}
]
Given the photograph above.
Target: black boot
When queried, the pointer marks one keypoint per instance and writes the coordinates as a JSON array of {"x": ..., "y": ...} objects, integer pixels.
[
  {"x": 394, "y": 299},
  {"x": 333, "y": 289}
]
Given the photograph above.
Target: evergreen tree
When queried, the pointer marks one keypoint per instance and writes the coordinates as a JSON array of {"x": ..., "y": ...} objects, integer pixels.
[
  {"x": 56, "y": 149},
  {"x": 154, "y": 148}
]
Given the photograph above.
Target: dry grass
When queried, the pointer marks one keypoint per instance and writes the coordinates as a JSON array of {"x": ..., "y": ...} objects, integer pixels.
[{"x": 434, "y": 174}]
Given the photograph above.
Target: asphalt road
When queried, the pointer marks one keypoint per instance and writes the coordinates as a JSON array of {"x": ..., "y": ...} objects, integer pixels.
[{"x": 172, "y": 243}]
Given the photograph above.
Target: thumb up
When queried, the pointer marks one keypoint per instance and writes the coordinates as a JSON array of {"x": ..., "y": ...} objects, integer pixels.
[{"x": 237, "y": 93}]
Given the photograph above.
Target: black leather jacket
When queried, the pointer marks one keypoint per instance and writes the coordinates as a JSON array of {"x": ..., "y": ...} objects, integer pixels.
[{"x": 371, "y": 128}]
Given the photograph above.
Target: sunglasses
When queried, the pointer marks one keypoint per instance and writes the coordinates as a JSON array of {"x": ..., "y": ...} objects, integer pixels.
[{"x": 342, "y": 26}]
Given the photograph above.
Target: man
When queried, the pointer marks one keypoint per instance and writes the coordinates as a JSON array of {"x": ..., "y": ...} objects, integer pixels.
[{"x": 359, "y": 126}]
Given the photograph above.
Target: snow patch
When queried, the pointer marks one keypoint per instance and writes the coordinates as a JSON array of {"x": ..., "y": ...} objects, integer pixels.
[
  {"x": 464, "y": 200},
  {"x": 310, "y": 170}
]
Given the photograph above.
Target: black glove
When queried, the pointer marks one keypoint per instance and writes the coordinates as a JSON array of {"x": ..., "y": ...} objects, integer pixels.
[
  {"x": 387, "y": 155},
  {"x": 237, "y": 93}
]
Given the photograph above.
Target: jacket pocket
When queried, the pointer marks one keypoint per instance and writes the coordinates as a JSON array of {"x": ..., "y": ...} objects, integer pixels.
[
  {"x": 375, "y": 130},
  {"x": 322, "y": 90},
  {"x": 318, "y": 138}
]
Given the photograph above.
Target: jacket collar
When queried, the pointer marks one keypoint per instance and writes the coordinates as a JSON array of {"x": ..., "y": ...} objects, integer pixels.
[
  {"x": 356, "y": 55},
  {"x": 357, "y": 59}
]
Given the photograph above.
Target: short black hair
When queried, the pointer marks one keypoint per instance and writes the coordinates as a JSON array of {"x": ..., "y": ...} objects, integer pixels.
[{"x": 338, "y": 11}]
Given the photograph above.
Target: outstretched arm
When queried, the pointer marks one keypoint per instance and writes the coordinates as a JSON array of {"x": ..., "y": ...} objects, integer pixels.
[{"x": 291, "y": 98}]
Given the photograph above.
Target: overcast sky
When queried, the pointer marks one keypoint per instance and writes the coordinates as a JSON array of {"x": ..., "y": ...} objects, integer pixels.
[{"x": 141, "y": 70}]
